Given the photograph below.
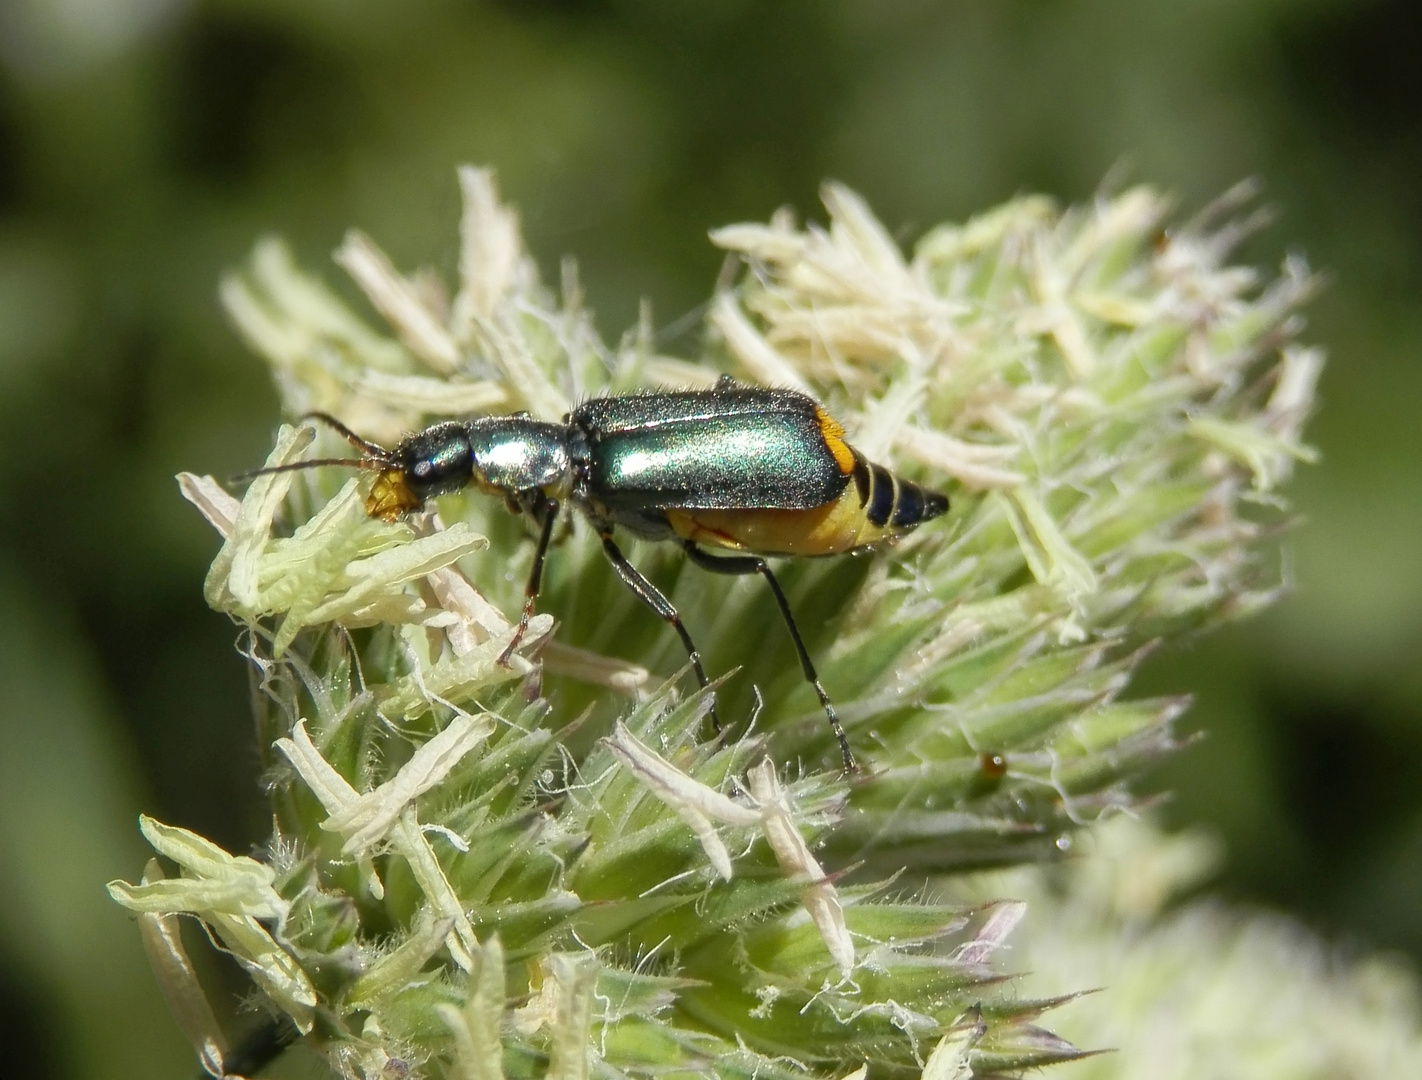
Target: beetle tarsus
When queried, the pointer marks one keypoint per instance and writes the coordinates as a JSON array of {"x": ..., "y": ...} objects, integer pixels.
[{"x": 519, "y": 631}]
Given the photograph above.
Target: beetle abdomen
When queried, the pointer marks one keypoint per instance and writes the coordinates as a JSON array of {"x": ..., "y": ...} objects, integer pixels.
[
  {"x": 889, "y": 501},
  {"x": 878, "y": 506}
]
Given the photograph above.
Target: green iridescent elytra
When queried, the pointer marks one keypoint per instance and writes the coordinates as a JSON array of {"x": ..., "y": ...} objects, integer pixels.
[{"x": 737, "y": 449}]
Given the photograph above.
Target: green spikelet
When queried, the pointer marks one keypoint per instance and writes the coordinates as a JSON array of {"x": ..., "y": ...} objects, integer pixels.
[{"x": 547, "y": 868}]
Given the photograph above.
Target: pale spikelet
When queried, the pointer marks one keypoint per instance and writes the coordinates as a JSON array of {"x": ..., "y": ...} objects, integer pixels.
[{"x": 1196, "y": 988}]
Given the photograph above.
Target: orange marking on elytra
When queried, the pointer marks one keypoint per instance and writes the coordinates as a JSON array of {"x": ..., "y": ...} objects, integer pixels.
[{"x": 833, "y": 436}]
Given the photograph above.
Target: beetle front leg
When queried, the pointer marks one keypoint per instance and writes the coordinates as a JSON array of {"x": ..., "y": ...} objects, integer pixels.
[
  {"x": 535, "y": 577},
  {"x": 753, "y": 564},
  {"x": 650, "y": 595}
]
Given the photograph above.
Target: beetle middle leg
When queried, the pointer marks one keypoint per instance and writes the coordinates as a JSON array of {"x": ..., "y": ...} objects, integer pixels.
[
  {"x": 548, "y": 508},
  {"x": 753, "y": 564},
  {"x": 650, "y": 595}
]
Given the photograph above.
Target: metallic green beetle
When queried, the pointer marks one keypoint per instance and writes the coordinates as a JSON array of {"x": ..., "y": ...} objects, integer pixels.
[{"x": 750, "y": 470}]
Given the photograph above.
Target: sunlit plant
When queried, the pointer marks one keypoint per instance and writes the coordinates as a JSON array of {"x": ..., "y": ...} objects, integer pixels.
[{"x": 550, "y": 867}]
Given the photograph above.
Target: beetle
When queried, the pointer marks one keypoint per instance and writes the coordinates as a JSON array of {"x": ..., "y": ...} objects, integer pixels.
[{"x": 754, "y": 471}]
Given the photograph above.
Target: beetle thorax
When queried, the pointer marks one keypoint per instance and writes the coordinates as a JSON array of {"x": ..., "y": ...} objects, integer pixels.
[{"x": 514, "y": 454}]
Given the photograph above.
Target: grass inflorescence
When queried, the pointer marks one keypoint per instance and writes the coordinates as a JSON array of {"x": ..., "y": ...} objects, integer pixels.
[{"x": 550, "y": 866}]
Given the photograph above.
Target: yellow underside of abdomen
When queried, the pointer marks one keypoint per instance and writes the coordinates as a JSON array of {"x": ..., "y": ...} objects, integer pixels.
[{"x": 830, "y": 529}]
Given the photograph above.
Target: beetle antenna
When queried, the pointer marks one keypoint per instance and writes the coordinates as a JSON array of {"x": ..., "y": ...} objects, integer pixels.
[
  {"x": 315, "y": 463},
  {"x": 373, "y": 455},
  {"x": 370, "y": 449}
]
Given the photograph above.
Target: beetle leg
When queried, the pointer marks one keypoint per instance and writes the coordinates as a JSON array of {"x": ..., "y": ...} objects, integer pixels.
[
  {"x": 535, "y": 576},
  {"x": 650, "y": 595},
  {"x": 752, "y": 564}
]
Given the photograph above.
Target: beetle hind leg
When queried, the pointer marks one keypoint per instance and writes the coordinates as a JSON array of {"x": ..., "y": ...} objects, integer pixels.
[
  {"x": 753, "y": 564},
  {"x": 650, "y": 595}
]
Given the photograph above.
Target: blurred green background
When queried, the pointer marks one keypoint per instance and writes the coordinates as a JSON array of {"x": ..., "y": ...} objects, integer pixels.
[{"x": 145, "y": 145}]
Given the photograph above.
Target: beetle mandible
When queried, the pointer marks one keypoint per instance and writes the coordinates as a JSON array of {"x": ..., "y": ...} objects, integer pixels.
[{"x": 761, "y": 472}]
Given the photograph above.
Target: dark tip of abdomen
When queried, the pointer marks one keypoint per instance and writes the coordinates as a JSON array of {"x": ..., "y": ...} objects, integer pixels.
[
  {"x": 915, "y": 504},
  {"x": 935, "y": 504}
]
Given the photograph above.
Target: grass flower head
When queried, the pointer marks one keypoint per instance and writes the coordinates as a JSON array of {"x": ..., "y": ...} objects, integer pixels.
[{"x": 548, "y": 867}]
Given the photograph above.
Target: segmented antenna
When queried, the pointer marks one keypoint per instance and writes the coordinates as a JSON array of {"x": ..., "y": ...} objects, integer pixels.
[{"x": 373, "y": 455}]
